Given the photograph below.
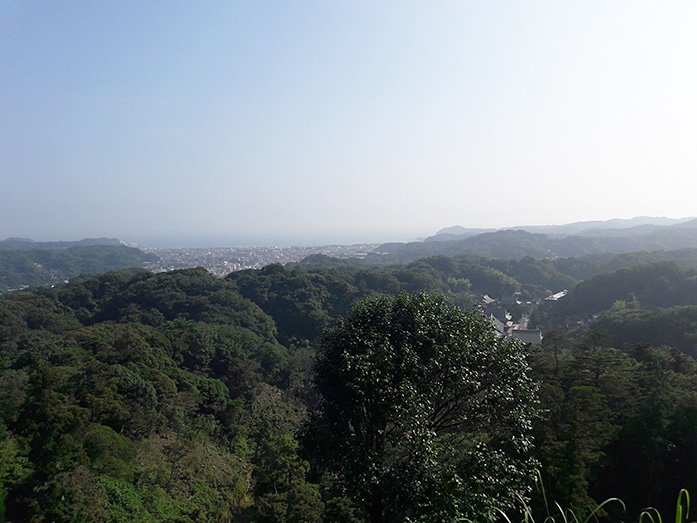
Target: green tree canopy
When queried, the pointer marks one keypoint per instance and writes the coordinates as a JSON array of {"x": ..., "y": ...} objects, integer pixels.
[{"x": 424, "y": 411}]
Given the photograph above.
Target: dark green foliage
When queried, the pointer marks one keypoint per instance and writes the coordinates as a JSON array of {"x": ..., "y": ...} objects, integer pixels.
[
  {"x": 49, "y": 266},
  {"x": 189, "y": 294},
  {"x": 675, "y": 326},
  {"x": 617, "y": 425},
  {"x": 130, "y": 398},
  {"x": 285, "y": 496},
  {"x": 424, "y": 411},
  {"x": 516, "y": 244},
  {"x": 178, "y": 396},
  {"x": 649, "y": 286},
  {"x": 539, "y": 274},
  {"x": 302, "y": 303},
  {"x": 508, "y": 244}
]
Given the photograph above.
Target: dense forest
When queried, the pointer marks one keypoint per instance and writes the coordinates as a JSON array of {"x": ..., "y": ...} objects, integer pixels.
[
  {"x": 27, "y": 263},
  {"x": 131, "y": 396}
]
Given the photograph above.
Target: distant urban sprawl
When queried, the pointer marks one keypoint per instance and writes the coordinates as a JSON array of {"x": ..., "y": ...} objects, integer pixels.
[{"x": 221, "y": 261}]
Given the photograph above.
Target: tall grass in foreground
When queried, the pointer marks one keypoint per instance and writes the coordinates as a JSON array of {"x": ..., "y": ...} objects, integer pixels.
[
  {"x": 652, "y": 515},
  {"x": 557, "y": 514}
]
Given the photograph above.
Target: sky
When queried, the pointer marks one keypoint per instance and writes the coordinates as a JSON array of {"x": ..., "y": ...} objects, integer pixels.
[{"x": 229, "y": 123}]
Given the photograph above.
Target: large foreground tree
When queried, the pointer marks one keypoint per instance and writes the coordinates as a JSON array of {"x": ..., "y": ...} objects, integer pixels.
[{"x": 425, "y": 411}]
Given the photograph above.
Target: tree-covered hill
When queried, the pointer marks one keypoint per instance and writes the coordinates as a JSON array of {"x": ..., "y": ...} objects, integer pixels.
[
  {"x": 651, "y": 285},
  {"x": 517, "y": 243},
  {"x": 305, "y": 301},
  {"x": 508, "y": 244},
  {"x": 626, "y": 328},
  {"x": 132, "y": 396},
  {"x": 496, "y": 277},
  {"x": 47, "y": 266},
  {"x": 146, "y": 398}
]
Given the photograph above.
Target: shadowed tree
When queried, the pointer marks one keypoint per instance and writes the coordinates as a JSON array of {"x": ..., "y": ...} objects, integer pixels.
[{"x": 424, "y": 411}]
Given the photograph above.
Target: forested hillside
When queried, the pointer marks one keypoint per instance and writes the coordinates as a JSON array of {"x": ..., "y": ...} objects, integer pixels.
[
  {"x": 151, "y": 398},
  {"x": 517, "y": 243},
  {"x": 183, "y": 397},
  {"x": 24, "y": 263}
]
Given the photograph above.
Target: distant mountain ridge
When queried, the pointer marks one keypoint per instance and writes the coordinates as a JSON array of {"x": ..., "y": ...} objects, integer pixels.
[
  {"x": 456, "y": 233},
  {"x": 587, "y": 228},
  {"x": 549, "y": 241},
  {"x": 26, "y": 244}
]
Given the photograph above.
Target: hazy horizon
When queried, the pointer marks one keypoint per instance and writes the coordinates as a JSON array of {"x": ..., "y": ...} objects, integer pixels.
[
  {"x": 315, "y": 123},
  {"x": 306, "y": 241}
]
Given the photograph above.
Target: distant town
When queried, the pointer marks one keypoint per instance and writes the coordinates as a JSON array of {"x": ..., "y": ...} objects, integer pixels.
[{"x": 221, "y": 261}]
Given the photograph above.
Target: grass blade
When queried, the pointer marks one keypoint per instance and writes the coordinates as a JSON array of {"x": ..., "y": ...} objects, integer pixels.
[{"x": 683, "y": 494}]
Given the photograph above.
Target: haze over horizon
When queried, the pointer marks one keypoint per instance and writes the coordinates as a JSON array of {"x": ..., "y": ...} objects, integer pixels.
[
  {"x": 199, "y": 242},
  {"x": 271, "y": 123}
]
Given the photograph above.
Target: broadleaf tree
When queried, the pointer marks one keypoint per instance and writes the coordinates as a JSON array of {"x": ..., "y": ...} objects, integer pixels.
[{"x": 424, "y": 411}]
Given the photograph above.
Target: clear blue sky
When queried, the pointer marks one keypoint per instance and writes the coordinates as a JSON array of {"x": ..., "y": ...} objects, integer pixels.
[{"x": 282, "y": 122}]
